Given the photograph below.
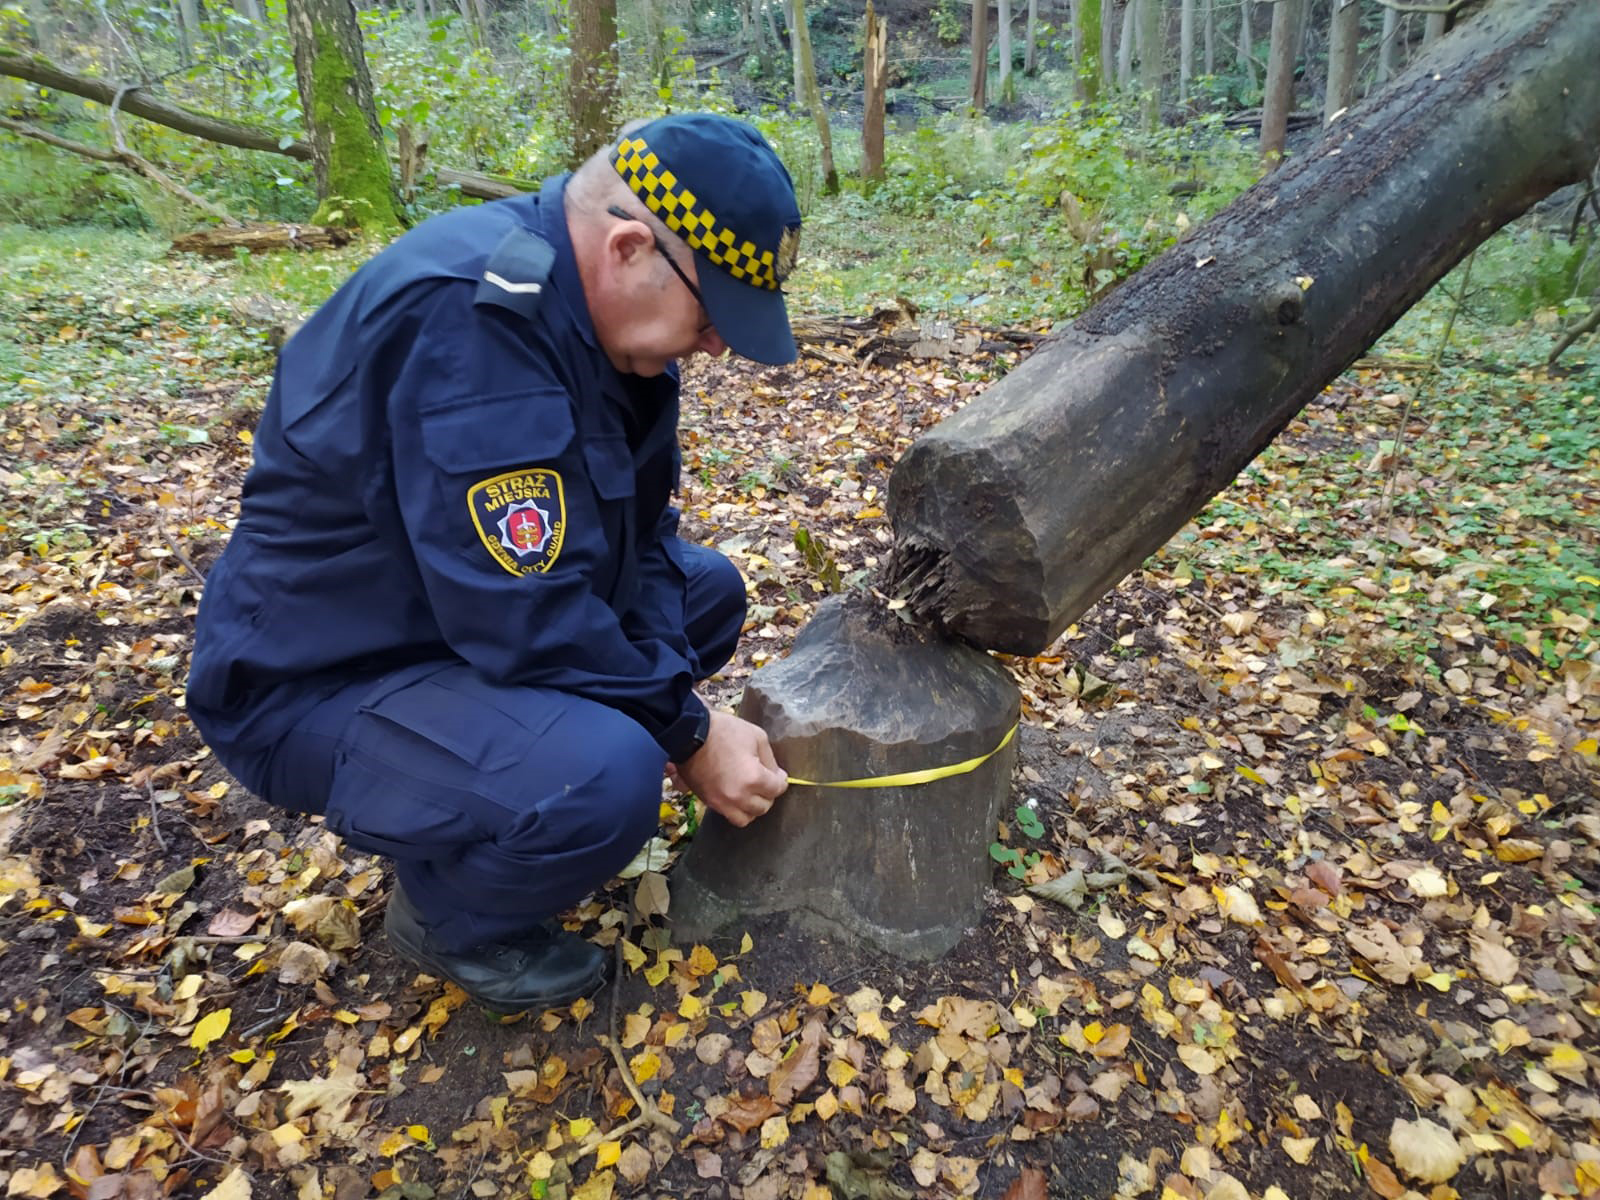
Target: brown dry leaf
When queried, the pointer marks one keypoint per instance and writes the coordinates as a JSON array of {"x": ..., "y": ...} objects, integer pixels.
[
  {"x": 1495, "y": 963},
  {"x": 713, "y": 1048},
  {"x": 1383, "y": 1180},
  {"x": 707, "y": 1165},
  {"x": 36, "y": 1183},
  {"x": 231, "y": 923},
  {"x": 1392, "y": 961},
  {"x": 748, "y": 1112},
  {"x": 1300, "y": 1148},
  {"x": 302, "y": 963},
  {"x": 235, "y": 1186},
  {"x": 1425, "y": 1150},
  {"x": 1029, "y": 1185},
  {"x": 331, "y": 1096},
  {"x": 635, "y": 1164},
  {"x": 651, "y": 896},
  {"x": 798, "y": 1071},
  {"x": 1198, "y": 1059}
]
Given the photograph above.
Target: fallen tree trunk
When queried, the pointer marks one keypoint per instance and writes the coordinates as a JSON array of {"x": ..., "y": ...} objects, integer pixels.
[
  {"x": 140, "y": 103},
  {"x": 1015, "y": 515},
  {"x": 221, "y": 243},
  {"x": 122, "y": 157}
]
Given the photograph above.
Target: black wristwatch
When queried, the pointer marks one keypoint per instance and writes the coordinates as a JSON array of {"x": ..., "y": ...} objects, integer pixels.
[
  {"x": 687, "y": 734},
  {"x": 698, "y": 735}
]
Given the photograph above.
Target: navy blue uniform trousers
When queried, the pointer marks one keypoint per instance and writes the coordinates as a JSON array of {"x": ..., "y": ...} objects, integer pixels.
[{"x": 500, "y": 806}]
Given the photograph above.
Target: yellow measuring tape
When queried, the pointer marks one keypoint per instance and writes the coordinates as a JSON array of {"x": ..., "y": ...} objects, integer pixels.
[{"x": 909, "y": 778}]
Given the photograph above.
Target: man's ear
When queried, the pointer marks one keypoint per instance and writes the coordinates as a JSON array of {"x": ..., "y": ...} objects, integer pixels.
[{"x": 628, "y": 241}]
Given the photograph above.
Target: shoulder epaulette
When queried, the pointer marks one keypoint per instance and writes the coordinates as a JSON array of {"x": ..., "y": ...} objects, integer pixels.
[{"x": 516, "y": 273}]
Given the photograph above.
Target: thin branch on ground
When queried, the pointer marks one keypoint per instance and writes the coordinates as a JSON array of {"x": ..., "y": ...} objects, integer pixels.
[{"x": 1573, "y": 332}]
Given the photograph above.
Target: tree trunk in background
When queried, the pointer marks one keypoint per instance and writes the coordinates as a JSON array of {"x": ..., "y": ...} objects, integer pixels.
[
  {"x": 978, "y": 85},
  {"x": 1389, "y": 47},
  {"x": 477, "y": 18},
  {"x": 805, "y": 67},
  {"x": 592, "y": 77},
  {"x": 1108, "y": 49},
  {"x": 1247, "y": 61},
  {"x": 354, "y": 184},
  {"x": 1152, "y": 56},
  {"x": 1030, "y": 52},
  {"x": 1344, "y": 39},
  {"x": 1278, "y": 98},
  {"x": 1017, "y": 513},
  {"x": 1008, "y": 86},
  {"x": 772, "y": 28},
  {"x": 874, "y": 73},
  {"x": 1435, "y": 28},
  {"x": 1125, "y": 47},
  {"x": 1185, "y": 50},
  {"x": 250, "y": 10},
  {"x": 188, "y": 14},
  {"x": 1211, "y": 36},
  {"x": 1087, "y": 44}
]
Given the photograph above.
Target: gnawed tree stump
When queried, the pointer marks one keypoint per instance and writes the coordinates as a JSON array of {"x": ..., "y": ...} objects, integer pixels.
[
  {"x": 902, "y": 868},
  {"x": 1015, "y": 515}
]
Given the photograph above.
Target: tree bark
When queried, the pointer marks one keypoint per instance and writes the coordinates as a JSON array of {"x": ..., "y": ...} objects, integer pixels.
[
  {"x": 978, "y": 83},
  {"x": 1389, "y": 46},
  {"x": 1211, "y": 36},
  {"x": 1246, "y": 57},
  {"x": 354, "y": 184},
  {"x": 1030, "y": 52},
  {"x": 1015, "y": 515},
  {"x": 1152, "y": 58},
  {"x": 1185, "y": 49},
  {"x": 1087, "y": 39},
  {"x": 187, "y": 13},
  {"x": 806, "y": 69},
  {"x": 1008, "y": 87},
  {"x": 1278, "y": 98},
  {"x": 874, "y": 72},
  {"x": 1125, "y": 47},
  {"x": 1435, "y": 27},
  {"x": 592, "y": 77},
  {"x": 901, "y": 866},
  {"x": 1108, "y": 49},
  {"x": 1344, "y": 40}
]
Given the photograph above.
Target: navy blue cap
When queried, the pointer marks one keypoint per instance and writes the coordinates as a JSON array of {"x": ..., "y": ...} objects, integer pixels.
[{"x": 718, "y": 185}]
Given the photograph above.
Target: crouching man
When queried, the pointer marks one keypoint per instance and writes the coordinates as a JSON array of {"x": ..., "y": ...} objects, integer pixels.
[{"x": 454, "y": 617}]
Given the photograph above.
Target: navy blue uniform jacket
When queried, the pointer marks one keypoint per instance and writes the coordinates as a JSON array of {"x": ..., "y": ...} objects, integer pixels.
[{"x": 448, "y": 467}]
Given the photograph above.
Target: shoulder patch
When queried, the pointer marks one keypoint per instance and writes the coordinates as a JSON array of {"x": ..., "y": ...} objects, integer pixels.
[
  {"x": 515, "y": 275},
  {"x": 521, "y": 518}
]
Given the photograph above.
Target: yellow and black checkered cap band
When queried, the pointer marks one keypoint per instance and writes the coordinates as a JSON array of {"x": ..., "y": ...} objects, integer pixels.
[{"x": 687, "y": 215}]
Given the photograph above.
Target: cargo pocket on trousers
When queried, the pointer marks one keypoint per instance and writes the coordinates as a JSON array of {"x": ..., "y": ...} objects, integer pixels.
[{"x": 409, "y": 783}]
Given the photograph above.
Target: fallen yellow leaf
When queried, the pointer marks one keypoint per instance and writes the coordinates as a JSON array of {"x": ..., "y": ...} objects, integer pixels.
[{"x": 210, "y": 1027}]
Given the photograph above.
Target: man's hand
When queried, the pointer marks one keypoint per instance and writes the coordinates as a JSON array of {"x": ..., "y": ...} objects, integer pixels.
[{"x": 734, "y": 772}]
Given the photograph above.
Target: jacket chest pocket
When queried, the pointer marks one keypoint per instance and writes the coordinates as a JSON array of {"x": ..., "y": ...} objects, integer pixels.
[{"x": 610, "y": 464}]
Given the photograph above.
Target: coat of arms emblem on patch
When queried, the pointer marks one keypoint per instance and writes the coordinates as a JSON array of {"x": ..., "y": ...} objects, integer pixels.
[{"x": 520, "y": 517}]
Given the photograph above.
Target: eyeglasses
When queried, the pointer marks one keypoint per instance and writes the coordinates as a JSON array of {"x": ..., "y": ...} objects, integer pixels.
[{"x": 617, "y": 210}]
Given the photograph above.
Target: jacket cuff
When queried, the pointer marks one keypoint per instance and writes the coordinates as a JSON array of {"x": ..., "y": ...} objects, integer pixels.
[{"x": 688, "y": 733}]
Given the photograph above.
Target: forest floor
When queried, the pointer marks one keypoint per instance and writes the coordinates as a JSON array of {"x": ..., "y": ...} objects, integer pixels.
[{"x": 1324, "y": 801}]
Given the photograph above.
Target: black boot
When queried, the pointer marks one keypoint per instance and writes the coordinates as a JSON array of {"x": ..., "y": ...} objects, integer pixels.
[{"x": 542, "y": 969}]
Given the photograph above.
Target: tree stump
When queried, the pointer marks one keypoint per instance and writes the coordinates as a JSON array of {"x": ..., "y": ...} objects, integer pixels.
[{"x": 902, "y": 868}]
